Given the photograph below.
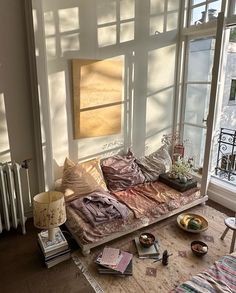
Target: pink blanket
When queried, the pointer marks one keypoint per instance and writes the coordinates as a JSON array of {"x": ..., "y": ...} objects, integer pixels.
[{"x": 144, "y": 199}]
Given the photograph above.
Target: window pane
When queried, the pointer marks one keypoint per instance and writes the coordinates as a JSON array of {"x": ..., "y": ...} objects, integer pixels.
[
  {"x": 201, "y": 14},
  {"x": 201, "y": 53},
  {"x": 194, "y": 2},
  {"x": 197, "y": 103},
  {"x": 198, "y": 15},
  {"x": 213, "y": 9},
  {"x": 194, "y": 138}
]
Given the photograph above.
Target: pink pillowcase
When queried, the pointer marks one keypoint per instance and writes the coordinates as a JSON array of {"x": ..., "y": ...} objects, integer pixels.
[{"x": 121, "y": 172}]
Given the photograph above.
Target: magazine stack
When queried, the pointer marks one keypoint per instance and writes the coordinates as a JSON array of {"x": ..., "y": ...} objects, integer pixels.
[
  {"x": 54, "y": 251},
  {"x": 114, "y": 261}
]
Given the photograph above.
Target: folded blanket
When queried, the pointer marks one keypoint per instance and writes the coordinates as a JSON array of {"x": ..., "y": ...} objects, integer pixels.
[{"x": 99, "y": 207}]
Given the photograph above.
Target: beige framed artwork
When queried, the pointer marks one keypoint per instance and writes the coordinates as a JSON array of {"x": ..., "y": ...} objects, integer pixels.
[{"x": 97, "y": 96}]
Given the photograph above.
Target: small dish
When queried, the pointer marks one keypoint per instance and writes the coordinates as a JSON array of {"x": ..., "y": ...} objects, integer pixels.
[
  {"x": 199, "y": 248},
  {"x": 147, "y": 239}
]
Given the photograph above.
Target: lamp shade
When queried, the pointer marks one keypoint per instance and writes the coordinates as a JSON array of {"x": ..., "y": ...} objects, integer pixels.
[{"x": 49, "y": 210}]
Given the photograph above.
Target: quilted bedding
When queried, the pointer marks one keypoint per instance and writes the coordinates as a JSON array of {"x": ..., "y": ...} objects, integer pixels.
[
  {"x": 219, "y": 278},
  {"x": 145, "y": 202}
]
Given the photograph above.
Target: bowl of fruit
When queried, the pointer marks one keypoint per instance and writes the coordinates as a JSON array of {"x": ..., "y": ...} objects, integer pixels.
[
  {"x": 193, "y": 223},
  {"x": 199, "y": 248},
  {"x": 147, "y": 239}
]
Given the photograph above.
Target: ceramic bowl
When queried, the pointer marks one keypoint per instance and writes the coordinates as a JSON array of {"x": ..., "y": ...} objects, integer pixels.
[
  {"x": 146, "y": 239},
  {"x": 199, "y": 248},
  {"x": 204, "y": 223}
]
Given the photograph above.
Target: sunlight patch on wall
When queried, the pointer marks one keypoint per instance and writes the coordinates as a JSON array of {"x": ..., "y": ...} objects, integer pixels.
[
  {"x": 35, "y": 20},
  {"x": 172, "y": 21},
  {"x": 4, "y": 141},
  {"x": 51, "y": 47},
  {"x": 35, "y": 27},
  {"x": 161, "y": 68},
  {"x": 156, "y": 16},
  {"x": 153, "y": 142},
  {"x": 157, "y": 6},
  {"x": 68, "y": 19},
  {"x": 126, "y": 31},
  {"x": 173, "y": 12},
  {"x": 70, "y": 43},
  {"x": 107, "y": 36},
  {"x": 159, "y": 111},
  {"x": 106, "y": 11},
  {"x": 163, "y": 16},
  {"x": 49, "y": 22},
  {"x": 127, "y": 10},
  {"x": 156, "y": 24},
  {"x": 58, "y": 113}
]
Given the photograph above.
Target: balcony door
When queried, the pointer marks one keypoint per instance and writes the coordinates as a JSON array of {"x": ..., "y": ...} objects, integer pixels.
[{"x": 200, "y": 98}]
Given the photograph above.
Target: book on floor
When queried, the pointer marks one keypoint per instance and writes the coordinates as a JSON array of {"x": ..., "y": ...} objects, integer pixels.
[
  {"x": 48, "y": 246},
  {"x": 118, "y": 262},
  {"x": 56, "y": 260},
  {"x": 128, "y": 271},
  {"x": 50, "y": 257},
  {"x": 150, "y": 252}
]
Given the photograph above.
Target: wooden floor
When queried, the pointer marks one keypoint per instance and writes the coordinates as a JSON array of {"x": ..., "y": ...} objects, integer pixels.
[{"x": 22, "y": 269}]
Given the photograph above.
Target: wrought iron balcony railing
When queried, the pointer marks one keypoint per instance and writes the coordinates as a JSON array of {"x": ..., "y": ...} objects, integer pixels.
[{"x": 226, "y": 156}]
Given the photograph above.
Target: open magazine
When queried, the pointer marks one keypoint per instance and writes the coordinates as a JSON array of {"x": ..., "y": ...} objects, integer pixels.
[{"x": 120, "y": 264}]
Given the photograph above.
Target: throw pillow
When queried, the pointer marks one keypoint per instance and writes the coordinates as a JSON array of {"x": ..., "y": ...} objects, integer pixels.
[
  {"x": 155, "y": 164},
  {"x": 121, "y": 172},
  {"x": 82, "y": 178}
]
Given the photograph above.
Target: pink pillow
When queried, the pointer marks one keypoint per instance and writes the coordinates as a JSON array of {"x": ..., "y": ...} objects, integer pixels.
[{"x": 121, "y": 172}]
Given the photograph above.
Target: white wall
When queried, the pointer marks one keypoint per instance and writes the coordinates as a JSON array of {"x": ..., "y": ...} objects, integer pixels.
[
  {"x": 143, "y": 34},
  {"x": 16, "y": 120}
]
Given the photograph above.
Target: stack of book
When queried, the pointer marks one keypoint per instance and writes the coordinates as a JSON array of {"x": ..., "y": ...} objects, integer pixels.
[
  {"x": 114, "y": 261},
  {"x": 152, "y": 252},
  {"x": 54, "y": 251}
]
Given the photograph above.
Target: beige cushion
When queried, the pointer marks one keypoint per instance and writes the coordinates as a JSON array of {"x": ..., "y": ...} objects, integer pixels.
[{"x": 82, "y": 178}]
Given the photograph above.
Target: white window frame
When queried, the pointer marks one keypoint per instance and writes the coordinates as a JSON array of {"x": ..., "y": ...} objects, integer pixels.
[{"x": 186, "y": 34}]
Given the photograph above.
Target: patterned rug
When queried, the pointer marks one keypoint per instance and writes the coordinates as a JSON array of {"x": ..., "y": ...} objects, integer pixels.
[{"x": 151, "y": 277}]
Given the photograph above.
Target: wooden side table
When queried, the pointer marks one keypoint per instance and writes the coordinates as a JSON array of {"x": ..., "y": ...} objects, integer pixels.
[{"x": 230, "y": 224}]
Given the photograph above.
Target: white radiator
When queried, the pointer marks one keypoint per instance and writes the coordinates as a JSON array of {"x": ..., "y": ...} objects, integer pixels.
[{"x": 12, "y": 208}]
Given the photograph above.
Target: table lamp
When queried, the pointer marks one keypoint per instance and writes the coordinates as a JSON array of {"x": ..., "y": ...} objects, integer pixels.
[{"x": 49, "y": 211}]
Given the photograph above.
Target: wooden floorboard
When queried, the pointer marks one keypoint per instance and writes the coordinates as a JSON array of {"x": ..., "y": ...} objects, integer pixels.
[{"x": 22, "y": 268}]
